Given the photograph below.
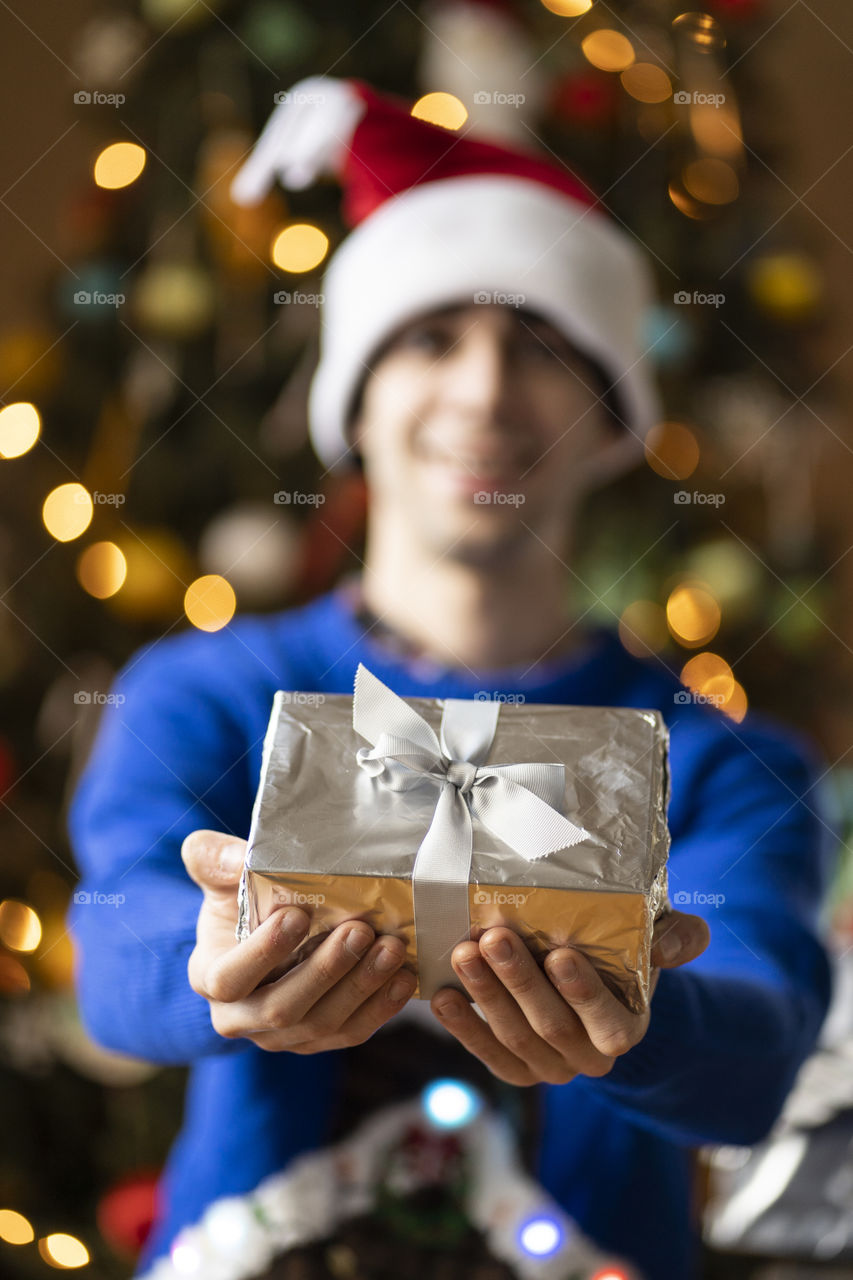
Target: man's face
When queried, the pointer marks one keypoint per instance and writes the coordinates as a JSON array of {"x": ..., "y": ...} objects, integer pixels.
[{"x": 479, "y": 427}]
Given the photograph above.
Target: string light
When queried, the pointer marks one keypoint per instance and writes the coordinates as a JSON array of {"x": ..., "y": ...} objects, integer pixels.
[
  {"x": 299, "y": 247},
  {"x": 20, "y": 426},
  {"x": 692, "y": 614},
  {"x": 15, "y": 1228},
  {"x": 443, "y": 109},
  {"x": 646, "y": 82},
  {"x": 540, "y": 1237},
  {"x": 568, "y": 8},
  {"x": 20, "y": 927},
  {"x": 672, "y": 450},
  {"x": 210, "y": 602},
  {"x": 101, "y": 569},
  {"x": 119, "y": 164},
  {"x": 450, "y": 1104},
  {"x": 701, "y": 30},
  {"x": 608, "y": 50},
  {"x": 67, "y": 511},
  {"x": 63, "y": 1251}
]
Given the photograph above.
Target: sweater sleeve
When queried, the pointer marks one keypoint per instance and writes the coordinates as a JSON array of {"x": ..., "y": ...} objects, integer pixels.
[
  {"x": 752, "y": 845},
  {"x": 168, "y": 758}
]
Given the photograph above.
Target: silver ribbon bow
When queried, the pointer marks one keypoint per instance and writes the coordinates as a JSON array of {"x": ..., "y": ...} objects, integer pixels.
[{"x": 515, "y": 802}]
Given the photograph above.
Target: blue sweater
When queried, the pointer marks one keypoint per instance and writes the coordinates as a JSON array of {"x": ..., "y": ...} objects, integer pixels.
[{"x": 751, "y": 842}]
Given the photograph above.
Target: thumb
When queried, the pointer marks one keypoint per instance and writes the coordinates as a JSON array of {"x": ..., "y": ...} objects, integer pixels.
[
  {"x": 678, "y": 938},
  {"x": 214, "y": 860}
]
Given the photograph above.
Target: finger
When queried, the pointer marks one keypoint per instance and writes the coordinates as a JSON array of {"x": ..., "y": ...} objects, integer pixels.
[
  {"x": 543, "y": 1011},
  {"x": 226, "y": 973},
  {"x": 462, "y": 1021},
  {"x": 214, "y": 860},
  {"x": 678, "y": 938},
  {"x": 342, "y": 1008},
  {"x": 611, "y": 1028},
  {"x": 506, "y": 1020}
]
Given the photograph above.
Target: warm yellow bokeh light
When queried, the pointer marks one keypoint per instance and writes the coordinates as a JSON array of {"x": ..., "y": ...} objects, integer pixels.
[
  {"x": 64, "y": 1251},
  {"x": 672, "y": 450},
  {"x": 20, "y": 425},
  {"x": 20, "y": 927},
  {"x": 736, "y": 705},
  {"x": 685, "y": 203},
  {"x": 101, "y": 569},
  {"x": 15, "y": 1228},
  {"x": 300, "y": 247},
  {"x": 119, "y": 164},
  {"x": 67, "y": 511},
  {"x": 568, "y": 8},
  {"x": 711, "y": 181},
  {"x": 444, "y": 109},
  {"x": 643, "y": 629},
  {"x": 14, "y": 981},
  {"x": 709, "y": 674},
  {"x": 703, "y": 31},
  {"x": 210, "y": 602},
  {"x": 692, "y": 614},
  {"x": 608, "y": 50},
  {"x": 646, "y": 82}
]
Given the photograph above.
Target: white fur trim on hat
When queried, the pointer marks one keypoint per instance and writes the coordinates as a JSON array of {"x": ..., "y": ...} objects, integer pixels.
[{"x": 456, "y": 240}]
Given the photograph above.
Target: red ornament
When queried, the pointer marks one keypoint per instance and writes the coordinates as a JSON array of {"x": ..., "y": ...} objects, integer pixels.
[
  {"x": 126, "y": 1212},
  {"x": 587, "y": 97}
]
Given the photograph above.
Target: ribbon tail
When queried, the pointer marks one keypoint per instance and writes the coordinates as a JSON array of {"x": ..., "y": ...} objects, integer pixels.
[
  {"x": 440, "y": 879},
  {"x": 521, "y": 819}
]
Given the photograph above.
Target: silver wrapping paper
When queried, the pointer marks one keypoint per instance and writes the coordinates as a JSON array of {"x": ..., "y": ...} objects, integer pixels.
[{"x": 328, "y": 838}]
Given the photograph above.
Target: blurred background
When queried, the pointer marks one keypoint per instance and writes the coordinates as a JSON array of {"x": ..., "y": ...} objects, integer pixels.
[{"x": 155, "y": 346}]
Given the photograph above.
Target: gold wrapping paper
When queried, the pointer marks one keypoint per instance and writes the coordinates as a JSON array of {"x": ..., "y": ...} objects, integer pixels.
[{"x": 331, "y": 840}]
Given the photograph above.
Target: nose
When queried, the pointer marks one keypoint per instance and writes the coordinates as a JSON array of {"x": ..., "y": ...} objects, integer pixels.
[{"x": 477, "y": 378}]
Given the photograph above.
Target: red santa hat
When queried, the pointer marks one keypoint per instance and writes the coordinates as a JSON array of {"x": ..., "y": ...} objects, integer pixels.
[{"x": 440, "y": 218}]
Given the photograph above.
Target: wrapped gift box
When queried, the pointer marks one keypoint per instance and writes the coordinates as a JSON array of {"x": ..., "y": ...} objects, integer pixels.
[{"x": 434, "y": 819}]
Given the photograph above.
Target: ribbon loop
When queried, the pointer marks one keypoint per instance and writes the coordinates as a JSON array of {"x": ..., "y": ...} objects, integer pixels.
[{"x": 518, "y": 803}]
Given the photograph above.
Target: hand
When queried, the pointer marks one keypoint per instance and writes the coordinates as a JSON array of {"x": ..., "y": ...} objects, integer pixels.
[
  {"x": 552, "y": 1026},
  {"x": 336, "y": 997}
]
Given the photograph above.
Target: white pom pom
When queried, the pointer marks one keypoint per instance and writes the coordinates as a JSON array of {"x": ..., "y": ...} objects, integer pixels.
[{"x": 308, "y": 134}]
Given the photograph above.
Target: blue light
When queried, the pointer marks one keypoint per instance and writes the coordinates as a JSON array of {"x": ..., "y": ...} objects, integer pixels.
[
  {"x": 450, "y": 1104},
  {"x": 540, "y": 1237}
]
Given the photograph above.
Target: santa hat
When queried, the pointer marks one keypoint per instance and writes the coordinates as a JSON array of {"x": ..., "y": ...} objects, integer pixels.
[{"x": 440, "y": 218}]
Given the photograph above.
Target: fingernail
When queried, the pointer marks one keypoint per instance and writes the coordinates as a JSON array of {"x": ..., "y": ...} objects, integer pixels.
[
  {"x": 293, "y": 926},
  {"x": 386, "y": 960},
  {"x": 400, "y": 988},
  {"x": 450, "y": 1009},
  {"x": 231, "y": 858},
  {"x": 500, "y": 949},
  {"x": 357, "y": 941},
  {"x": 565, "y": 969},
  {"x": 669, "y": 946}
]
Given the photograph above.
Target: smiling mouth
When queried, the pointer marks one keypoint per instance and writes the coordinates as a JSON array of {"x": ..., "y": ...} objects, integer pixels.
[{"x": 476, "y": 464}]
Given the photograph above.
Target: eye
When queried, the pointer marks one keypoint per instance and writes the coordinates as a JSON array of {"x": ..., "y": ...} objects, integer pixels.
[{"x": 428, "y": 337}]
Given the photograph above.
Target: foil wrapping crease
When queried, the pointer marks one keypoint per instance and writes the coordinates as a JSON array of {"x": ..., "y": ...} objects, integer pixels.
[{"x": 328, "y": 838}]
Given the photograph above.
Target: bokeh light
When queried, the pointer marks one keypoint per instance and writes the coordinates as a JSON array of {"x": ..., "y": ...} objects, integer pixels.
[
  {"x": 703, "y": 31},
  {"x": 646, "y": 82},
  {"x": 101, "y": 569},
  {"x": 642, "y": 628},
  {"x": 711, "y": 181},
  {"x": 15, "y": 1228},
  {"x": 692, "y": 614},
  {"x": 709, "y": 674},
  {"x": 568, "y": 8},
  {"x": 672, "y": 450},
  {"x": 20, "y": 425},
  {"x": 608, "y": 50},
  {"x": 64, "y": 1251},
  {"x": 450, "y": 1103},
  {"x": 119, "y": 164},
  {"x": 540, "y": 1237},
  {"x": 444, "y": 109},
  {"x": 20, "y": 927},
  {"x": 299, "y": 247},
  {"x": 67, "y": 511},
  {"x": 210, "y": 602}
]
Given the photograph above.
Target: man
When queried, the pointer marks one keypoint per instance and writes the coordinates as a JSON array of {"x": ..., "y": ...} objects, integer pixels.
[{"x": 445, "y": 396}]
